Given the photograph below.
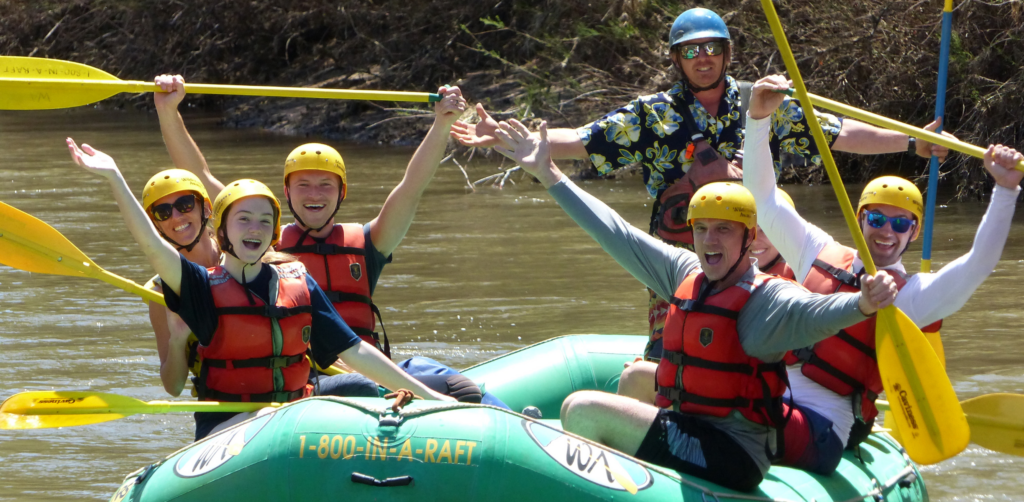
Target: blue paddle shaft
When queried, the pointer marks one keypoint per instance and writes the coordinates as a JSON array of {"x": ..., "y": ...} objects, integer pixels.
[{"x": 940, "y": 110}]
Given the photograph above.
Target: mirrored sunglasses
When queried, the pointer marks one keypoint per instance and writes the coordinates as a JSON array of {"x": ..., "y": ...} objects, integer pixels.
[
  {"x": 900, "y": 224},
  {"x": 184, "y": 204},
  {"x": 691, "y": 51}
]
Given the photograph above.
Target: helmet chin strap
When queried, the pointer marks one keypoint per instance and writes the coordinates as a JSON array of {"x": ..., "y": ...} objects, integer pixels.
[
  {"x": 230, "y": 249},
  {"x": 188, "y": 247},
  {"x": 309, "y": 229},
  {"x": 743, "y": 253},
  {"x": 696, "y": 89}
]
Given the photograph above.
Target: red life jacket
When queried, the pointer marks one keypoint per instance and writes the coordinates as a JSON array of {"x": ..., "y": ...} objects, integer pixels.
[
  {"x": 670, "y": 220},
  {"x": 338, "y": 265},
  {"x": 704, "y": 369},
  {"x": 258, "y": 352},
  {"x": 779, "y": 267},
  {"x": 845, "y": 363}
]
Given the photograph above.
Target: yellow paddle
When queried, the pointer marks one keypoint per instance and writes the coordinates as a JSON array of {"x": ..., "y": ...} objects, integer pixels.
[
  {"x": 48, "y": 409},
  {"x": 917, "y": 132},
  {"x": 996, "y": 420},
  {"x": 28, "y": 243},
  {"x": 47, "y": 84},
  {"x": 929, "y": 419}
]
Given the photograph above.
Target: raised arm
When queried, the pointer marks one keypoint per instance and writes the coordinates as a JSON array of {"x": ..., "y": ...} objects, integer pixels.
[
  {"x": 389, "y": 228},
  {"x": 798, "y": 241},
  {"x": 866, "y": 139},
  {"x": 377, "y": 367},
  {"x": 564, "y": 143},
  {"x": 183, "y": 150},
  {"x": 161, "y": 255},
  {"x": 655, "y": 264},
  {"x": 929, "y": 297}
]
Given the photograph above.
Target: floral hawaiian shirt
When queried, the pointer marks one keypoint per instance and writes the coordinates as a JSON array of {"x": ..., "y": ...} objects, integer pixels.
[{"x": 650, "y": 130}]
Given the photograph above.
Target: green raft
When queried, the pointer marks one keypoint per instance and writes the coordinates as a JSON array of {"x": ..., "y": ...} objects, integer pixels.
[{"x": 356, "y": 449}]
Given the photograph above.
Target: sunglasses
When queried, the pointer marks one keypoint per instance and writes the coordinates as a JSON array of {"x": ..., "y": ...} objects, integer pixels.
[
  {"x": 691, "y": 51},
  {"x": 900, "y": 224},
  {"x": 184, "y": 204}
]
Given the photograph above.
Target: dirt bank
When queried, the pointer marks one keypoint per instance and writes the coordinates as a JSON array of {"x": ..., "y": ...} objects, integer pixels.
[{"x": 567, "y": 61}]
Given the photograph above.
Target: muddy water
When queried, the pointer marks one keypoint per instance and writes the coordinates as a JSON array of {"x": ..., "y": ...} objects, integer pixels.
[{"x": 479, "y": 274}]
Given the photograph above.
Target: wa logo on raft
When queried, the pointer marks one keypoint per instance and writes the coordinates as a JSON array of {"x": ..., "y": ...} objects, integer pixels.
[
  {"x": 589, "y": 461},
  {"x": 218, "y": 449}
]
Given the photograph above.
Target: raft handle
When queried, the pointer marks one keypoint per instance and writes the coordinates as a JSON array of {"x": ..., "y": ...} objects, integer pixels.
[
  {"x": 372, "y": 481},
  {"x": 908, "y": 480}
]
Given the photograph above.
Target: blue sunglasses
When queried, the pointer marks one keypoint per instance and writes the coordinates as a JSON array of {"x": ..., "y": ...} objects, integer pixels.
[{"x": 900, "y": 224}]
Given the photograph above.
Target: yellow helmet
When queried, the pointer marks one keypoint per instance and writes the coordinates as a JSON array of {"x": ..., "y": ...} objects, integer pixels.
[
  {"x": 167, "y": 182},
  {"x": 316, "y": 157},
  {"x": 786, "y": 197},
  {"x": 241, "y": 189},
  {"x": 894, "y": 191},
  {"x": 723, "y": 200}
]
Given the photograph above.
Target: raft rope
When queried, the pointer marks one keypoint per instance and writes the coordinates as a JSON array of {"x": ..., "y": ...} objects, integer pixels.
[{"x": 879, "y": 490}]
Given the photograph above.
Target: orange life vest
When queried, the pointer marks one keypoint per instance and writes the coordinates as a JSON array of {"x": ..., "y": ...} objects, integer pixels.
[
  {"x": 704, "y": 369},
  {"x": 258, "y": 352},
  {"x": 779, "y": 267},
  {"x": 338, "y": 265},
  {"x": 845, "y": 363}
]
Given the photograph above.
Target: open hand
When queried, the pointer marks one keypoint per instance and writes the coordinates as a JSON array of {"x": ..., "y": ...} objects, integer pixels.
[
  {"x": 481, "y": 134},
  {"x": 531, "y": 151},
  {"x": 172, "y": 89},
  {"x": 876, "y": 292},
  {"x": 92, "y": 160},
  {"x": 764, "y": 98},
  {"x": 451, "y": 106},
  {"x": 926, "y": 149},
  {"x": 1001, "y": 162}
]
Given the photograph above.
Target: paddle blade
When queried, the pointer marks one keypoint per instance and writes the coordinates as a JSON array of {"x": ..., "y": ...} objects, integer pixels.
[
  {"x": 29, "y": 244},
  {"x": 10, "y": 421},
  {"x": 30, "y": 90},
  {"x": 997, "y": 422},
  {"x": 931, "y": 423}
]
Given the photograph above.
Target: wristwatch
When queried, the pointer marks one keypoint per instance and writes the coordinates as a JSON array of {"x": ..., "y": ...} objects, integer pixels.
[{"x": 912, "y": 145}]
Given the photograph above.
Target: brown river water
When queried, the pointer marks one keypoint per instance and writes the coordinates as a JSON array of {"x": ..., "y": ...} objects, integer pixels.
[{"x": 479, "y": 274}]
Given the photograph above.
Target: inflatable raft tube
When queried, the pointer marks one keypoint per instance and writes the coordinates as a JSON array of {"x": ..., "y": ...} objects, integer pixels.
[{"x": 356, "y": 449}]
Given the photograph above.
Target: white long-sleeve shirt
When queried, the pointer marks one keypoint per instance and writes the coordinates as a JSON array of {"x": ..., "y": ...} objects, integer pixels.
[{"x": 926, "y": 298}]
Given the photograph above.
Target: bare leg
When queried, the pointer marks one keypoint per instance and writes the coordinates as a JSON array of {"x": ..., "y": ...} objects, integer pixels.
[
  {"x": 637, "y": 381},
  {"x": 613, "y": 420}
]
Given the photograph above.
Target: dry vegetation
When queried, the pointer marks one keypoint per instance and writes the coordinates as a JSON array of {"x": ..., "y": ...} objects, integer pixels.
[{"x": 567, "y": 61}]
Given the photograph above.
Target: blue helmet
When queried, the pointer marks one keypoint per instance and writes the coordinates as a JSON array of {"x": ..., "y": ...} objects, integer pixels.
[{"x": 697, "y": 23}]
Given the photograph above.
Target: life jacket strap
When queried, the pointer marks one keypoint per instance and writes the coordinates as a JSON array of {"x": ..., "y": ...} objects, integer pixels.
[
  {"x": 841, "y": 275},
  {"x": 338, "y": 297},
  {"x": 270, "y": 311},
  {"x": 695, "y": 306},
  {"x": 273, "y": 362},
  {"x": 322, "y": 248}
]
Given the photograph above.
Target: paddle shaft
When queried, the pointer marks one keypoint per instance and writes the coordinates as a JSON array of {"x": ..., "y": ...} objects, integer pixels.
[
  {"x": 138, "y": 86},
  {"x": 87, "y": 269},
  {"x": 151, "y": 407},
  {"x": 940, "y": 110},
  {"x": 916, "y": 132}
]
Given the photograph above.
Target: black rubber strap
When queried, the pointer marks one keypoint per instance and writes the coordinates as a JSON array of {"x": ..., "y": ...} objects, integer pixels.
[
  {"x": 338, "y": 297},
  {"x": 372, "y": 481},
  {"x": 841, "y": 275},
  {"x": 271, "y": 311},
  {"x": 693, "y": 306},
  {"x": 857, "y": 344},
  {"x": 256, "y": 362},
  {"x": 325, "y": 249}
]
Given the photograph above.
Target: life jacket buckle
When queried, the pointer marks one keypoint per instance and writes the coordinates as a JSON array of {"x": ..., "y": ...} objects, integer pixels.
[
  {"x": 280, "y": 362},
  {"x": 323, "y": 248}
]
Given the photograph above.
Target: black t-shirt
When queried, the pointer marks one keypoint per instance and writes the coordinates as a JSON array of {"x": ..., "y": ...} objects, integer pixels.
[{"x": 329, "y": 335}]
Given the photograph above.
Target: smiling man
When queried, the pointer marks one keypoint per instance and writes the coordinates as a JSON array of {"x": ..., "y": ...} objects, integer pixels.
[
  {"x": 835, "y": 382},
  {"x": 721, "y": 379},
  {"x": 687, "y": 134}
]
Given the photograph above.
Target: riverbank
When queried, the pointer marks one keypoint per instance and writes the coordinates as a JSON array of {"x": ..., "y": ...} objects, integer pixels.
[{"x": 566, "y": 61}]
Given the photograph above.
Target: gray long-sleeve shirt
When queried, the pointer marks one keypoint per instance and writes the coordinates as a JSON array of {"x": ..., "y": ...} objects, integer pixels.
[{"x": 779, "y": 316}]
